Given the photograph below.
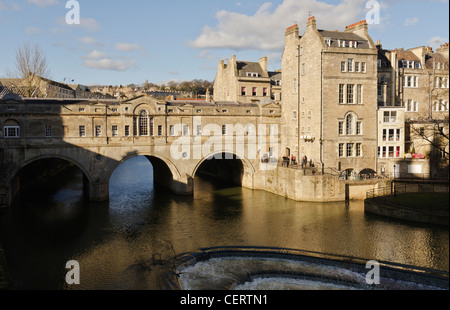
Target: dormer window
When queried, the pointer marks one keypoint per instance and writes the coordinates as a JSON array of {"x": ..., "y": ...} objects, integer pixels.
[
  {"x": 328, "y": 41},
  {"x": 343, "y": 43},
  {"x": 252, "y": 74}
]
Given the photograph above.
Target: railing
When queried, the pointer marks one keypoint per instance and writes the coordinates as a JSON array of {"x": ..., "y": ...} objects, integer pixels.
[
  {"x": 387, "y": 196},
  {"x": 438, "y": 176}
]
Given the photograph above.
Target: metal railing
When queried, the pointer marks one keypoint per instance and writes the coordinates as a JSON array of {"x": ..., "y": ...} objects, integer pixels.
[
  {"x": 437, "y": 176},
  {"x": 387, "y": 196}
]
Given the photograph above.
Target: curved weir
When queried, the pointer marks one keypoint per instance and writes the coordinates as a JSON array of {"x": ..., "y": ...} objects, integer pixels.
[{"x": 254, "y": 268}]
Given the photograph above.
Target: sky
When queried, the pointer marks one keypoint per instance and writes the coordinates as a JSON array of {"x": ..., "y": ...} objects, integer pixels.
[{"x": 129, "y": 42}]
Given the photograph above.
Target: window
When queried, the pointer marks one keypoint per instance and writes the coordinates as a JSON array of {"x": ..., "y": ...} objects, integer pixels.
[
  {"x": 12, "y": 132},
  {"x": 115, "y": 130},
  {"x": 359, "y": 95},
  {"x": 294, "y": 114},
  {"x": 152, "y": 121},
  {"x": 349, "y": 124},
  {"x": 82, "y": 131},
  {"x": 356, "y": 66},
  {"x": 390, "y": 117},
  {"x": 81, "y": 110},
  {"x": 160, "y": 130},
  {"x": 363, "y": 67},
  {"x": 243, "y": 91},
  {"x": 185, "y": 130},
  {"x": 343, "y": 66},
  {"x": 143, "y": 123},
  {"x": 98, "y": 131},
  {"x": 341, "y": 128},
  {"x": 309, "y": 114},
  {"x": 350, "y": 65},
  {"x": 359, "y": 128},
  {"x": 254, "y": 91},
  {"x": 350, "y": 147},
  {"x": 412, "y": 106},
  {"x": 48, "y": 131},
  {"x": 172, "y": 130},
  {"x": 303, "y": 69},
  {"x": 295, "y": 86},
  {"x": 127, "y": 130},
  {"x": 224, "y": 129},
  {"x": 380, "y": 90},
  {"x": 358, "y": 149},
  {"x": 199, "y": 130},
  {"x": 350, "y": 93},
  {"x": 249, "y": 129},
  {"x": 341, "y": 93},
  {"x": 410, "y": 81},
  {"x": 397, "y": 134},
  {"x": 440, "y": 105},
  {"x": 265, "y": 92},
  {"x": 341, "y": 150},
  {"x": 272, "y": 130}
]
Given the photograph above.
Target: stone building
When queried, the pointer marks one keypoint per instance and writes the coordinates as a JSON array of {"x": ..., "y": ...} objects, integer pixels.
[
  {"x": 416, "y": 81},
  {"x": 246, "y": 82},
  {"x": 330, "y": 97},
  {"x": 37, "y": 87}
]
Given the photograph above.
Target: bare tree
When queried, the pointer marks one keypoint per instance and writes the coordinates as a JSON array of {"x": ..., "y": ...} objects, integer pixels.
[{"x": 31, "y": 68}]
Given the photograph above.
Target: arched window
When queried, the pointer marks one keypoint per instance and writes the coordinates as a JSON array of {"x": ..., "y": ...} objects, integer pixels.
[
  {"x": 11, "y": 130},
  {"x": 349, "y": 124},
  {"x": 143, "y": 123}
]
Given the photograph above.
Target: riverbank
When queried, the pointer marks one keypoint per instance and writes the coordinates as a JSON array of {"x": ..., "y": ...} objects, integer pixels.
[
  {"x": 5, "y": 280},
  {"x": 430, "y": 208}
]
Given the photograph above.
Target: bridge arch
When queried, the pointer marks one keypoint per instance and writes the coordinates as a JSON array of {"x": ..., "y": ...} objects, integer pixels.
[
  {"x": 165, "y": 172},
  {"x": 14, "y": 182},
  {"x": 247, "y": 172},
  {"x": 50, "y": 156}
]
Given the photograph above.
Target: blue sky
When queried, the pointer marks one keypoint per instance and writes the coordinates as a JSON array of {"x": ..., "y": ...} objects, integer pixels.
[{"x": 124, "y": 42}]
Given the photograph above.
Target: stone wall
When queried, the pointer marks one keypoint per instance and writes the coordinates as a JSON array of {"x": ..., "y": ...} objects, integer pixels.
[{"x": 293, "y": 184}]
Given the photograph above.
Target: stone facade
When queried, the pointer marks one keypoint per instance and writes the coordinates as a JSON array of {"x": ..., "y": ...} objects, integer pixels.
[
  {"x": 246, "y": 82},
  {"x": 329, "y": 97}
]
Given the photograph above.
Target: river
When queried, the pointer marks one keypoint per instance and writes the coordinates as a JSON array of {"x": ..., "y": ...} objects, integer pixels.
[{"x": 116, "y": 242}]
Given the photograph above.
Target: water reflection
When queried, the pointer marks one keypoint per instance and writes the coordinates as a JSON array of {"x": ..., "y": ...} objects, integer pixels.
[{"x": 119, "y": 244}]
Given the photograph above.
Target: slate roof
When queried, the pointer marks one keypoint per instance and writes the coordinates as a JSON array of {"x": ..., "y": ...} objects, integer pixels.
[
  {"x": 406, "y": 55},
  {"x": 244, "y": 67},
  {"x": 345, "y": 36},
  {"x": 435, "y": 57}
]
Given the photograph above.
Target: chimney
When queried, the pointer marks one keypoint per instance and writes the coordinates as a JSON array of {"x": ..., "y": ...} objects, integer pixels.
[
  {"x": 443, "y": 50},
  {"x": 360, "y": 26},
  {"x": 378, "y": 45},
  {"x": 208, "y": 96},
  {"x": 292, "y": 29},
  {"x": 311, "y": 23},
  {"x": 263, "y": 63}
]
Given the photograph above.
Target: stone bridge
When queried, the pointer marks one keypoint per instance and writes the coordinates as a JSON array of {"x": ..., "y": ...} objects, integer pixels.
[{"x": 176, "y": 136}]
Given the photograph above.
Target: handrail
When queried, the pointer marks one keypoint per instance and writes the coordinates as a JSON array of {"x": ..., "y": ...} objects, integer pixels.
[{"x": 384, "y": 196}]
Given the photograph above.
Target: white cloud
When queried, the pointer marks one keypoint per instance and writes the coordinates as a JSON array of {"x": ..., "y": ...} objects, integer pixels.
[
  {"x": 90, "y": 41},
  {"x": 411, "y": 21},
  {"x": 43, "y": 3},
  {"x": 265, "y": 29},
  {"x": 96, "y": 54},
  {"x": 88, "y": 24},
  {"x": 9, "y": 6},
  {"x": 32, "y": 30},
  {"x": 128, "y": 47},
  {"x": 109, "y": 64}
]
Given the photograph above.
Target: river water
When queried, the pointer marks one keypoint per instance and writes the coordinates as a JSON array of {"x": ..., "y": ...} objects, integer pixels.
[{"x": 117, "y": 243}]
